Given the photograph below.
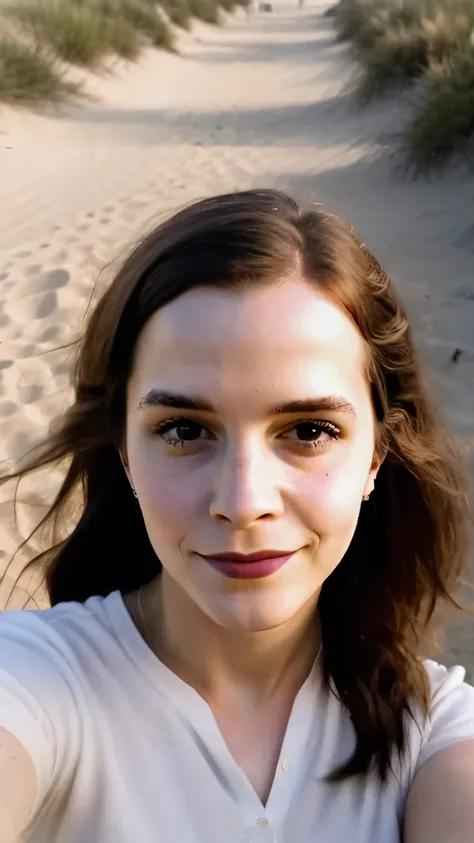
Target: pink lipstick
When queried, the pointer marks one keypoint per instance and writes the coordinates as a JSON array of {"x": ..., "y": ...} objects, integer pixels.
[{"x": 251, "y": 567}]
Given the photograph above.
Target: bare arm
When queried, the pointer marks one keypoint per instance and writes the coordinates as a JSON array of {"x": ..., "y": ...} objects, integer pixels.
[
  {"x": 440, "y": 804},
  {"x": 17, "y": 787}
]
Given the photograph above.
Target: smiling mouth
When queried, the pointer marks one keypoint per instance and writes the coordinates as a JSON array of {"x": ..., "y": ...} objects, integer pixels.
[{"x": 253, "y": 566}]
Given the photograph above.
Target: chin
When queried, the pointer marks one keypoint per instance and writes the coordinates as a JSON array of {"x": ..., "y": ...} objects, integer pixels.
[{"x": 253, "y": 615}]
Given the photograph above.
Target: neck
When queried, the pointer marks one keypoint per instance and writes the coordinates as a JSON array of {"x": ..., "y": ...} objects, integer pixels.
[{"x": 219, "y": 662}]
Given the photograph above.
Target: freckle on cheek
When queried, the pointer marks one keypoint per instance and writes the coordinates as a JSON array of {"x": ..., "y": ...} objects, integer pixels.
[{"x": 329, "y": 491}]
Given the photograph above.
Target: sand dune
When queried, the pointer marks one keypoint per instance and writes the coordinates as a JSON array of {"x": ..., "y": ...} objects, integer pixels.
[{"x": 259, "y": 102}]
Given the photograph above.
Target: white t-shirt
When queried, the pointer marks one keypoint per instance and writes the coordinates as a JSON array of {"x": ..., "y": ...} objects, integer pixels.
[{"x": 126, "y": 751}]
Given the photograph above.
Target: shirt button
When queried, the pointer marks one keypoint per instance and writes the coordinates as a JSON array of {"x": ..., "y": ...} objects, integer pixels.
[
  {"x": 262, "y": 822},
  {"x": 284, "y": 766}
]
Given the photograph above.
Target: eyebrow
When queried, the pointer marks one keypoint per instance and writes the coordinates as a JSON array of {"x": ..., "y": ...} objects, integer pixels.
[{"x": 176, "y": 401}]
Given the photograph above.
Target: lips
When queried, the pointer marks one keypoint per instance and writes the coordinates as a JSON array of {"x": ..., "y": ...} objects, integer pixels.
[
  {"x": 250, "y": 557},
  {"x": 250, "y": 567}
]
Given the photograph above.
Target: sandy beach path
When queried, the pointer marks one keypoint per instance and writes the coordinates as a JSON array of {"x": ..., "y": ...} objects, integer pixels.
[{"x": 258, "y": 102}]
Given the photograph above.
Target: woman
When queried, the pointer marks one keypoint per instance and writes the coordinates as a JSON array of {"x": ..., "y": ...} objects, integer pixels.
[{"x": 270, "y": 514}]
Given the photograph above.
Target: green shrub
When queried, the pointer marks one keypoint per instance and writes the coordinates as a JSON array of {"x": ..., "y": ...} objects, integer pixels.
[
  {"x": 83, "y": 32},
  {"x": 444, "y": 121},
  {"x": 352, "y": 17},
  {"x": 122, "y": 38},
  {"x": 178, "y": 11},
  {"x": 404, "y": 51},
  {"x": 76, "y": 34},
  {"x": 28, "y": 76},
  {"x": 398, "y": 41},
  {"x": 205, "y": 10},
  {"x": 448, "y": 31},
  {"x": 397, "y": 58},
  {"x": 228, "y": 5},
  {"x": 332, "y": 11},
  {"x": 140, "y": 15}
]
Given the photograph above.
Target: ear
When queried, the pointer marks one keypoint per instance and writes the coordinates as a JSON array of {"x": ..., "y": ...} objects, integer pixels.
[
  {"x": 377, "y": 461},
  {"x": 124, "y": 460}
]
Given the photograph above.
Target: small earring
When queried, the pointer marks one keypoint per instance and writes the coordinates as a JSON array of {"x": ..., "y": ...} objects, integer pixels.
[
  {"x": 366, "y": 497},
  {"x": 134, "y": 492}
]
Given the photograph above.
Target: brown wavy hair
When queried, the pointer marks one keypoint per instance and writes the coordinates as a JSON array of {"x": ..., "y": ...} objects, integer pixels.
[{"x": 378, "y": 606}]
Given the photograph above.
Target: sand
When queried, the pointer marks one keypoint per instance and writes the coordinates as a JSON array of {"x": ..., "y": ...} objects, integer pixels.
[{"x": 259, "y": 102}]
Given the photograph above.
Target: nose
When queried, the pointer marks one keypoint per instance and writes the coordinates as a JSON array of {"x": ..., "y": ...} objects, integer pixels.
[{"x": 246, "y": 487}]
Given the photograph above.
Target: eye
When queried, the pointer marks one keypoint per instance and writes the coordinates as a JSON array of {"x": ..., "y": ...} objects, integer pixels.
[
  {"x": 314, "y": 433},
  {"x": 180, "y": 431}
]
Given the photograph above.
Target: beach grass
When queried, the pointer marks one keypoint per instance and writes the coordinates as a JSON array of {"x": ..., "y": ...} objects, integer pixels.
[
  {"x": 36, "y": 33},
  {"x": 395, "y": 43},
  {"x": 205, "y": 10},
  {"x": 28, "y": 76},
  {"x": 178, "y": 11},
  {"x": 83, "y": 32},
  {"x": 403, "y": 52},
  {"x": 444, "y": 121}
]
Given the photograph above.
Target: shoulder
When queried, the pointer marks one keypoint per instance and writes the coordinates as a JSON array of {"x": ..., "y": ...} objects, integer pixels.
[
  {"x": 448, "y": 689},
  {"x": 55, "y": 641},
  {"x": 443, "y": 679},
  {"x": 44, "y": 658},
  {"x": 440, "y": 801},
  {"x": 38, "y": 668},
  {"x": 451, "y": 715}
]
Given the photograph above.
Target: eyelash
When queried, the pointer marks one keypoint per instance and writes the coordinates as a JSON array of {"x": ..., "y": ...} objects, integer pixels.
[{"x": 323, "y": 427}]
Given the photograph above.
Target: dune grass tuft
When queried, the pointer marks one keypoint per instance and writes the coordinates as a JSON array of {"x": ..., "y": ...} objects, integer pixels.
[
  {"x": 205, "y": 10},
  {"x": 142, "y": 16},
  {"x": 83, "y": 32},
  {"x": 444, "y": 121},
  {"x": 396, "y": 42},
  {"x": 28, "y": 76},
  {"x": 178, "y": 11},
  {"x": 75, "y": 33},
  {"x": 404, "y": 52}
]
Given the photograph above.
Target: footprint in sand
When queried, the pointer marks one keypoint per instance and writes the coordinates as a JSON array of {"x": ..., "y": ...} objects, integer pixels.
[
  {"x": 50, "y": 334},
  {"x": 7, "y": 408},
  {"x": 35, "y": 269},
  {"x": 52, "y": 280},
  {"x": 46, "y": 306},
  {"x": 32, "y": 307},
  {"x": 28, "y": 389},
  {"x": 41, "y": 283},
  {"x": 23, "y": 352}
]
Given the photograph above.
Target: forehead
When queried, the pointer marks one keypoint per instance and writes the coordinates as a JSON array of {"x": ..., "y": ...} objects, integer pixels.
[{"x": 272, "y": 339}]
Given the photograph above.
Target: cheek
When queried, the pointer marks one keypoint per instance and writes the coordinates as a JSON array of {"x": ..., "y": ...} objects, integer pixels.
[
  {"x": 332, "y": 498},
  {"x": 167, "y": 499}
]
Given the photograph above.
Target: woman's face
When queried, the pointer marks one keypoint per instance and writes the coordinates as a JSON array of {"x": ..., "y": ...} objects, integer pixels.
[{"x": 244, "y": 471}]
